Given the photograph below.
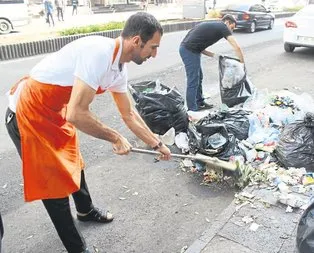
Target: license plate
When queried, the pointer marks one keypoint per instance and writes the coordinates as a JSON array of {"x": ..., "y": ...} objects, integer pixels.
[{"x": 306, "y": 39}]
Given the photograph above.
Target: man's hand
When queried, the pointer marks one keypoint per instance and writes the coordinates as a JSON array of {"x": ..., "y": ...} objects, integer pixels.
[
  {"x": 165, "y": 152},
  {"x": 216, "y": 56},
  {"x": 121, "y": 146}
]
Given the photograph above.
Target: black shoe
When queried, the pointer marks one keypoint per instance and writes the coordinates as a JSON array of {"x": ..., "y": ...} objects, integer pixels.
[
  {"x": 205, "y": 105},
  {"x": 96, "y": 215}
]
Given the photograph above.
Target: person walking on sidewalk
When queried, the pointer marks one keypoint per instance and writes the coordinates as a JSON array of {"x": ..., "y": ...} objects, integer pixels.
[
  {"x": 74, "y": 5},
  {"x": 59, "y": 5},
  {"x": 46, "y": 108},
  {"x": 193, "y": 45},
  {"x": 49, "y": 10}
]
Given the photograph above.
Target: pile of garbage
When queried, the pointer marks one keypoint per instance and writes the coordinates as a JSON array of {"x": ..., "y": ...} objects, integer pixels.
[{"x": 270, "y": 135}]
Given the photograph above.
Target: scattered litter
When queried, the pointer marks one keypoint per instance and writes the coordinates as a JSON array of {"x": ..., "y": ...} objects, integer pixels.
[
  {"x": 4, "y": 186},
  {"x": 187, "y": 163},
  {"x": 247, "y": 219},
  {"x": 247, "y": 195},
  {"x": 184, "y": 248},
  {"x": 207, "y": 220},
  {"x": 284, "y": 236},
  {"x": 182, "y": 142},
  {"x": 95, "y": 249},
  {"x": 289, "y": 209},
  {"x": 122, "y": 198},
  {"x": 197, "y": 213},
  {"x": 125, "y": 187},
  {"x": 135, "y": 193},
  {"x": 254, "y": 226},
  {"x": 29, "y": 237},
  {"x": 127, "y": 191},
  {"x": 185, "y": 204}
]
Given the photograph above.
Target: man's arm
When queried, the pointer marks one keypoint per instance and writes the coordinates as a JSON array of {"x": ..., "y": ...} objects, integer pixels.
[
  {"x": 208, "y": 53},
  {"x": 136, "y": 124},
  {"x": 82, "y": 118},
  {"x": 231, "y": 39}
]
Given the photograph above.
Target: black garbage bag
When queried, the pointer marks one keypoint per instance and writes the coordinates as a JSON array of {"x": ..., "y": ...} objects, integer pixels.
[
  {"x": 236, "y": 122},
  {"x": 305, "y": 231},
  {"x": 160, "y": 107},
  {"x": 206, "y": 137},
  {"x": 235, "y": 87},
  {"x": 296, "y": 144}
]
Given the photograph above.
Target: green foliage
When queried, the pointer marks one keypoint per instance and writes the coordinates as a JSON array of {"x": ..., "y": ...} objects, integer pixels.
[
  {"x": 92, "y": 28},
  {"x": 213, "y": 14},
  {"x": 293, "y": 9}
]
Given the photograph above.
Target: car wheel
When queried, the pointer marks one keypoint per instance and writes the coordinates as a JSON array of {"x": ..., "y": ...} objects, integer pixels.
[
  {"x": 5, "y": 26},
  {"x": 271, "y": 24},
  {"x": 289, "y": 48},
  {"x": 252, "y": 28}
]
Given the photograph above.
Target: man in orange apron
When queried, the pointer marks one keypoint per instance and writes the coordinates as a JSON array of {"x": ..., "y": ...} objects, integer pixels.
[{"x": 46, "y": 108}]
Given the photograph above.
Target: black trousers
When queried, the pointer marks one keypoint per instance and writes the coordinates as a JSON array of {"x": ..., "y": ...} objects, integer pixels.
[
  {"x": 59, "y": 209},
  {"x": 1, "y": 231},
  {"x": 60, "y": 13}
]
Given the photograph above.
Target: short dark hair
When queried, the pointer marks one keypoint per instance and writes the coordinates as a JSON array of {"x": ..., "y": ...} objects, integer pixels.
[
  {"x": 229, "y": 18},
  {"x": 143, "y": 24}
]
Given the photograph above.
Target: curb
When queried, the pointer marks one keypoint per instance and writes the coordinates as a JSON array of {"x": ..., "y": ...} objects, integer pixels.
[
  {"x": 199, "y": 244},
  {"x": 26, "y": 49}
]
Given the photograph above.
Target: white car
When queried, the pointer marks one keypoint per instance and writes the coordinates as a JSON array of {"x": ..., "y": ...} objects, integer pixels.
[{"x": 298, "y": 31}]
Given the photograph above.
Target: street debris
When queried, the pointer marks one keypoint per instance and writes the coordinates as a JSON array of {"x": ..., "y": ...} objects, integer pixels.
[
  {"x": 266, "y": 135},
  {"x": 254, "y": 226}
]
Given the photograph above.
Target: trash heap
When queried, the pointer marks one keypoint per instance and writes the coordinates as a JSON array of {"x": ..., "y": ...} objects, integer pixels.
[{"x": 270, "y": 135}]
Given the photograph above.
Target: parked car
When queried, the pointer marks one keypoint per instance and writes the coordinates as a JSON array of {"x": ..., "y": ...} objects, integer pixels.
[
  {"x": 250, "y": 16},
  {"x": 13, "y": 13},
  {"x": 298, "y": 31}
]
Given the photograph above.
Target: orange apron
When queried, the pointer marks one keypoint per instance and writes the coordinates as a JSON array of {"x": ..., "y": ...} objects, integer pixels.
[{"x": 51, "y": 158}]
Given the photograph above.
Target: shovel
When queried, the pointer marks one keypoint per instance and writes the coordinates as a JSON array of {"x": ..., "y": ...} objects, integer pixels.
[{"x": 212, "y": 161}]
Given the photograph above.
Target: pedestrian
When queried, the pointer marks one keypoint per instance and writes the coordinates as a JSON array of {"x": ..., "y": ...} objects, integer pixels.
[
  {"x": 49, "y": 10},
  {"x": 193, "y": 45},
  {"x": 74, "y": 5},
  {"x": 59, "y": 5},
  {"x": 1, "y": 231},
  {"x": 46, "y": 108}
]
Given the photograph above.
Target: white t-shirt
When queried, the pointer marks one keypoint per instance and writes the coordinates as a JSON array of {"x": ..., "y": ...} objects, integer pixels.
[{"x": 89, "y": 58}]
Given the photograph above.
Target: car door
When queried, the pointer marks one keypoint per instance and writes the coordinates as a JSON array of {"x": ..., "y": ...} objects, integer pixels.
[
  {"x": 265, "y": 16},
  {"x": 257, "y": 16}
]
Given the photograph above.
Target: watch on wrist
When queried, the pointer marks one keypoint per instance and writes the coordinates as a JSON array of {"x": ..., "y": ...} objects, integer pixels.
[{"x": 157, "y": 146}]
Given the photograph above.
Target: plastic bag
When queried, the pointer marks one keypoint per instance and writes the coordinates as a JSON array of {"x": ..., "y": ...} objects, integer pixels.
[
  {"x": 160, "y": 107},
  {"x": 205, "y": 137},
  {"x": 236, "y": 122},
  {"x": 240, "y": 89},
  {"x": 296, "y": 145},
  {"x": 305, "y": 231}
]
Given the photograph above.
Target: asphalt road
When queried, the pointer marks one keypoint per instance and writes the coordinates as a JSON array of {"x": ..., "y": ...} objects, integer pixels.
[{"x": 158, "y": 207}]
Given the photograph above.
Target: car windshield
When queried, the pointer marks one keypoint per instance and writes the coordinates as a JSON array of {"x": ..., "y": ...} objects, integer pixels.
[
  {"x": 306, "y": 11},
  {"x": 238, "y": 7}
]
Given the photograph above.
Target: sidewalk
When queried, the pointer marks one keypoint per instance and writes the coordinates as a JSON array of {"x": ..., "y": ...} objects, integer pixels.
[
  {"x": 38, "y": 29},
  {"x": 258, "y": 225}
]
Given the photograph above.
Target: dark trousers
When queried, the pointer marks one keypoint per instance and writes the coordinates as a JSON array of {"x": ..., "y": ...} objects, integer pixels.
[
  {"x": 1, "y": 231},
  {"x": 60, "y": 13},
  {"x": 49, "y": 16},
  {"x": 59, "y": 209},
  {"x": 194, "y": 76},
  {"x": 74, "y": 9}
]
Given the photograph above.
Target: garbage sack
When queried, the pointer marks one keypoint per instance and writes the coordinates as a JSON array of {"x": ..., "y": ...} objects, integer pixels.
[
  {"x": 236, "y": 122},
  {"x": 235, "y": 87},
  {"x": 160, "y": 107},
  {"x": 305, "y": 231},
  {"x": 296, "y": 144},
  {"x": 207, "y": 137}
]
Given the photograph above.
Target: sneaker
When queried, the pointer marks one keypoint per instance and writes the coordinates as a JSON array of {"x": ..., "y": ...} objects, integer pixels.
[
  {"x": 96, "y": 215},
  {"x": 204, "y": 106}
]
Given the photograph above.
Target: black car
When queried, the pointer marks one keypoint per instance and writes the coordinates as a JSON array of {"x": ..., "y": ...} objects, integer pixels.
[{"x": 250, "y": 16}]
